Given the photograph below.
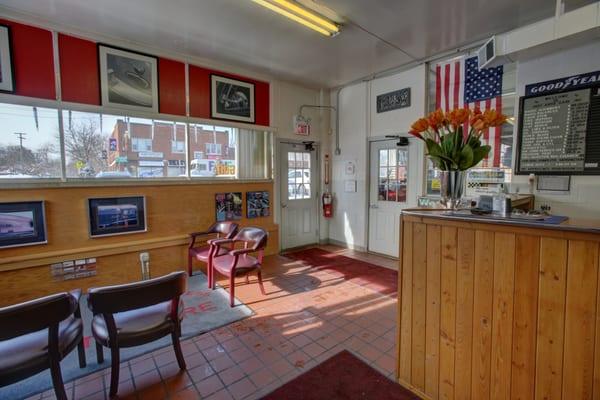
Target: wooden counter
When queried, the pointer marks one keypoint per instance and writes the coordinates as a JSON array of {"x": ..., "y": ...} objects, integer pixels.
[{"x": 498, "y": 311}]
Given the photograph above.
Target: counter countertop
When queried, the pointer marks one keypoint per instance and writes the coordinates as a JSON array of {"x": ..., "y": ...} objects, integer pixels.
[{"x": 575, "y": 224}]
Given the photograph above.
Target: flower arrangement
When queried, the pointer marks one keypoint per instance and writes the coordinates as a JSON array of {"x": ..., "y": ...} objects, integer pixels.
[{"x": 447, "y": 145}]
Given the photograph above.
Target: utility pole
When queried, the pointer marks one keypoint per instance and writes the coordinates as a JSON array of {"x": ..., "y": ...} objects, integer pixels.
[{"x": 22, "y": 137}]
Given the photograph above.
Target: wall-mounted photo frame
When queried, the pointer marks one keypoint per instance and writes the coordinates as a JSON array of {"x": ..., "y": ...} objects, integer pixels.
[
  {"x": 231, "y": 99},
  {"x": 110, "y": 216},
  {"x": 22, "y": 223},
  {"x": 228, "y": 206},
  {"x": 128, "y": 79},
  {"x": 257, "y": 204},
  {"x": 7, "y": 76}
]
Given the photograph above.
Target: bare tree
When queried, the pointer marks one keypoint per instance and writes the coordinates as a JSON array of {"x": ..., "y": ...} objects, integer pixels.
[{"x": 84, "y": 144}]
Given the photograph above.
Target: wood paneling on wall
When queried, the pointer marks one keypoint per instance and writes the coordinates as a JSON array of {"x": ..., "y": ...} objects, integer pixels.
[
  {"x": 491, "y": 312},
  {"x": 173, "y": 211}
]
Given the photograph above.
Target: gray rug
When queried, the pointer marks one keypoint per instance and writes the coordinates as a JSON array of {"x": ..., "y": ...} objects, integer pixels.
[{"x": 204, "y": 310}]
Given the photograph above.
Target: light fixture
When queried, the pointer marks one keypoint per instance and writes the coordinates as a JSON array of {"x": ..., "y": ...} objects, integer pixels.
[{"x": 293, "y": 11}]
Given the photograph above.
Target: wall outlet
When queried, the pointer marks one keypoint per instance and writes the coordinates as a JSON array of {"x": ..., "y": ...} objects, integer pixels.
[
  {"x": 145, "y": 261},
  {"x": 144, "y": 257}
]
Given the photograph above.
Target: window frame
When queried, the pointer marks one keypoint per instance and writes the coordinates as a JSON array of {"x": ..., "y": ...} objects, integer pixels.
[{"x": 64, "y": 181}]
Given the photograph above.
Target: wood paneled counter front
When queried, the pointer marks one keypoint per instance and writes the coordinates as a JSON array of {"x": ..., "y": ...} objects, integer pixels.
[{"x": 491, "y": 310}]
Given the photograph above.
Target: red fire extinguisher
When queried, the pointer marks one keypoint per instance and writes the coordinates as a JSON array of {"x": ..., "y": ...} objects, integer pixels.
[{"x": 327, "y": 205}]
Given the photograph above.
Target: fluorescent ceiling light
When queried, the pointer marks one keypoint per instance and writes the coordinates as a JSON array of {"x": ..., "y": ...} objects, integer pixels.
[{"x": 293, "y": 11}]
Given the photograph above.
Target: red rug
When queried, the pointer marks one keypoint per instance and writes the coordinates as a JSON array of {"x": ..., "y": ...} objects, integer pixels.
[
  {"x": 342, "y": 377},
  {"x": 380, "y": 279}
]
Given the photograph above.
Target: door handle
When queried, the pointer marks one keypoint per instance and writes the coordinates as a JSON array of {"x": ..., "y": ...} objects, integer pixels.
[
  {"x": 374, "y": 206},
  {"x": 283, "y": 205}
]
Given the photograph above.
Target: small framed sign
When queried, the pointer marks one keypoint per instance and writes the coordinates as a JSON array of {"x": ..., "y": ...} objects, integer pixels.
[{"x": 393, "y": 100}]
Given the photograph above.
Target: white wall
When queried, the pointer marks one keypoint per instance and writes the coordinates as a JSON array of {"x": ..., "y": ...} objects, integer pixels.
[
  {"x": 582, "y": 201},
  {"x": 359, "y": 121}
]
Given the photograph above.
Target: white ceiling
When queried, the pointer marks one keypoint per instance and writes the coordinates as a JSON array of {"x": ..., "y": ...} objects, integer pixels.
[{"x": 382, "y": 34}]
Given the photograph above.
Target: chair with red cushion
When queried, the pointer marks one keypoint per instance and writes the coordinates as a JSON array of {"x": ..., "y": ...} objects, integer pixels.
[
  {"x": 225, "y": 230},
  {"x": 233, "y": 262}
]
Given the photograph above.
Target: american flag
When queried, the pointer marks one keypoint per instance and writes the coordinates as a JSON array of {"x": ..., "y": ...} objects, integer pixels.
[{"x": 460, "y": 83}]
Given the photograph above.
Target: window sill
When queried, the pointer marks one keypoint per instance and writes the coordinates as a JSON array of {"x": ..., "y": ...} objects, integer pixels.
[{"x": 57, "y": 183}]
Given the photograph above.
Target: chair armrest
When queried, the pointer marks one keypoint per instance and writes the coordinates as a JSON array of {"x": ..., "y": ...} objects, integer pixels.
[
  {"x": 76, "y": 293},
  {"x": 220, "y": 242},
  {"x": 239, "y": 252}
]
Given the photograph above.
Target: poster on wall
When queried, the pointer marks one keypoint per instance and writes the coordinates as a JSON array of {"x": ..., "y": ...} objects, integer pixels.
[
  {"x": 128, "y": 79},
  {"x": 116, "y": 215},
  {"x": 22, "y": 224},
  {"x": 6, "y": 65},
  {"x": 228, "y": 206},
  {"x": 231, "y": 99},
  {"x": 257, "y": 204}
]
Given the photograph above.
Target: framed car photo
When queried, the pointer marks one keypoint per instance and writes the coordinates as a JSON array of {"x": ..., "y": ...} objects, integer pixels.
[
  {"x": 128, "y": 79},
  {"x": 231, "y": 99},
  {"x": 116, "y": 215},
  {"x": 22, "y": 224},
  {"x": 7, "y": 78}
]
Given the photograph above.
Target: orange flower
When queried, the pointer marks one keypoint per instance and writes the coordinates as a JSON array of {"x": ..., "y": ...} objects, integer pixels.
[
  {"x": 437, "y": 119},
  {"x": 419, "y": 126},
  {"x": 459, "y": 116},
  {"x": 494, "y": 118}
]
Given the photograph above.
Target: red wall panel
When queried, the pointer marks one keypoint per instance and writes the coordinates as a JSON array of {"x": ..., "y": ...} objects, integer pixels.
[
  {"x": 33, "y": 61},
  {"x": 79, "y": 78},
  {"x": 171, "y": 86},
  {"x": 200, "y": 94}
]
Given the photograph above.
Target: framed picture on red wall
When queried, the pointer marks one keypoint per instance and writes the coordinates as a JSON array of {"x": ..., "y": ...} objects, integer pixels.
[
  {"x": 7, "y": 82},
  {"x": 128, "y": 79},
  {"x": 231, "y": 99}
]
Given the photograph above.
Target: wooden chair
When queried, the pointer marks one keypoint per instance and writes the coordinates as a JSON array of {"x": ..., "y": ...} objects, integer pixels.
[
  {"x": 225, "y": 230},
  {"x": 135, "y": 314},
  {"x": 233, "y": 262},
  {"x": 37, "y": 335}
]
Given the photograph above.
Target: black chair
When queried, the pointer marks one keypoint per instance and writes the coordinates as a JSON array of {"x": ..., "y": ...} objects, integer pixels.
[
  {"x": 135, "y": 314},
  {"x": 37, "y": 335}
]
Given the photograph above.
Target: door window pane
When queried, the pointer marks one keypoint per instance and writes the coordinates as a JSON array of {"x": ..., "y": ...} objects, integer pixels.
[
  {"x": 29, "y": 142},
  {"x": 299, "y": 180},
  {"x": 392, "y": 179}
]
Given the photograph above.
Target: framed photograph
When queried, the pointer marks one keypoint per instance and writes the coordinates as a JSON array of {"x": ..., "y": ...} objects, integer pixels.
[
  {"x": 228, "y": 206},
  {"x": 22, "y": 224},
  {"x": 117, "y": 215},
  {"x": 231, "y": 99},
  {"x": 7, "y": 82},
  {"x": 257, "y": 204},
  {"x": 128, "y": 79}
]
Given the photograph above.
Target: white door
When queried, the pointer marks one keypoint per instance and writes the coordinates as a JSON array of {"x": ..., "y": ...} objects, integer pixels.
[
  {"x": 299, "y": 211},
  {"x": 392, "y": 188}
]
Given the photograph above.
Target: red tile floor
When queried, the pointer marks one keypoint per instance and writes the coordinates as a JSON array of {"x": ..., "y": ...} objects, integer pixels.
[{"x": 306, "y": 317}]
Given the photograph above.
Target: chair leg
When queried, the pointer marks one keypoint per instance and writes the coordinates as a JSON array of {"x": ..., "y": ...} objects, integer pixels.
[
  {"x": 248, "y": 278},
  {"x": 114, "y": 371},
  {"x": 57, "y": 381},
  {"x": 99, "y": 353},
  {"x": 232, "y": 290},
  {"x": 212, "y": 279},
  {"x": 81, "y": 353},
  {"x": 209, "y": 273},
  {"x": 189, "y": 265},
  {"x": 260, "y": 282},
  {"x": 177, "y": 348}
]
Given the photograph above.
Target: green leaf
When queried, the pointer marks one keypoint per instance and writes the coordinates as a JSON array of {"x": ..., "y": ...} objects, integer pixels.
[
  {"x": 480, "y": 153},
  {"x": 466, "y": 158}
]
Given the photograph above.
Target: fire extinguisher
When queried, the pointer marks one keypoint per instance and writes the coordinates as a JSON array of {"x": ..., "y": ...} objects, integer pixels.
[{"x": 327, "y": 205}]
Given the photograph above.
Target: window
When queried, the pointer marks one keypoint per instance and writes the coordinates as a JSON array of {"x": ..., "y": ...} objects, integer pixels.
[
  {"x": 141, "y": 144},
  {"x": 392, "y": 179},
  {"x": 298, "y": 175},
  {"x": 177, "y": 146},
  {"x": 38, "y": 142},
  {"x": 213, "y": 149},
  {"x": 29, "y": 142}
]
